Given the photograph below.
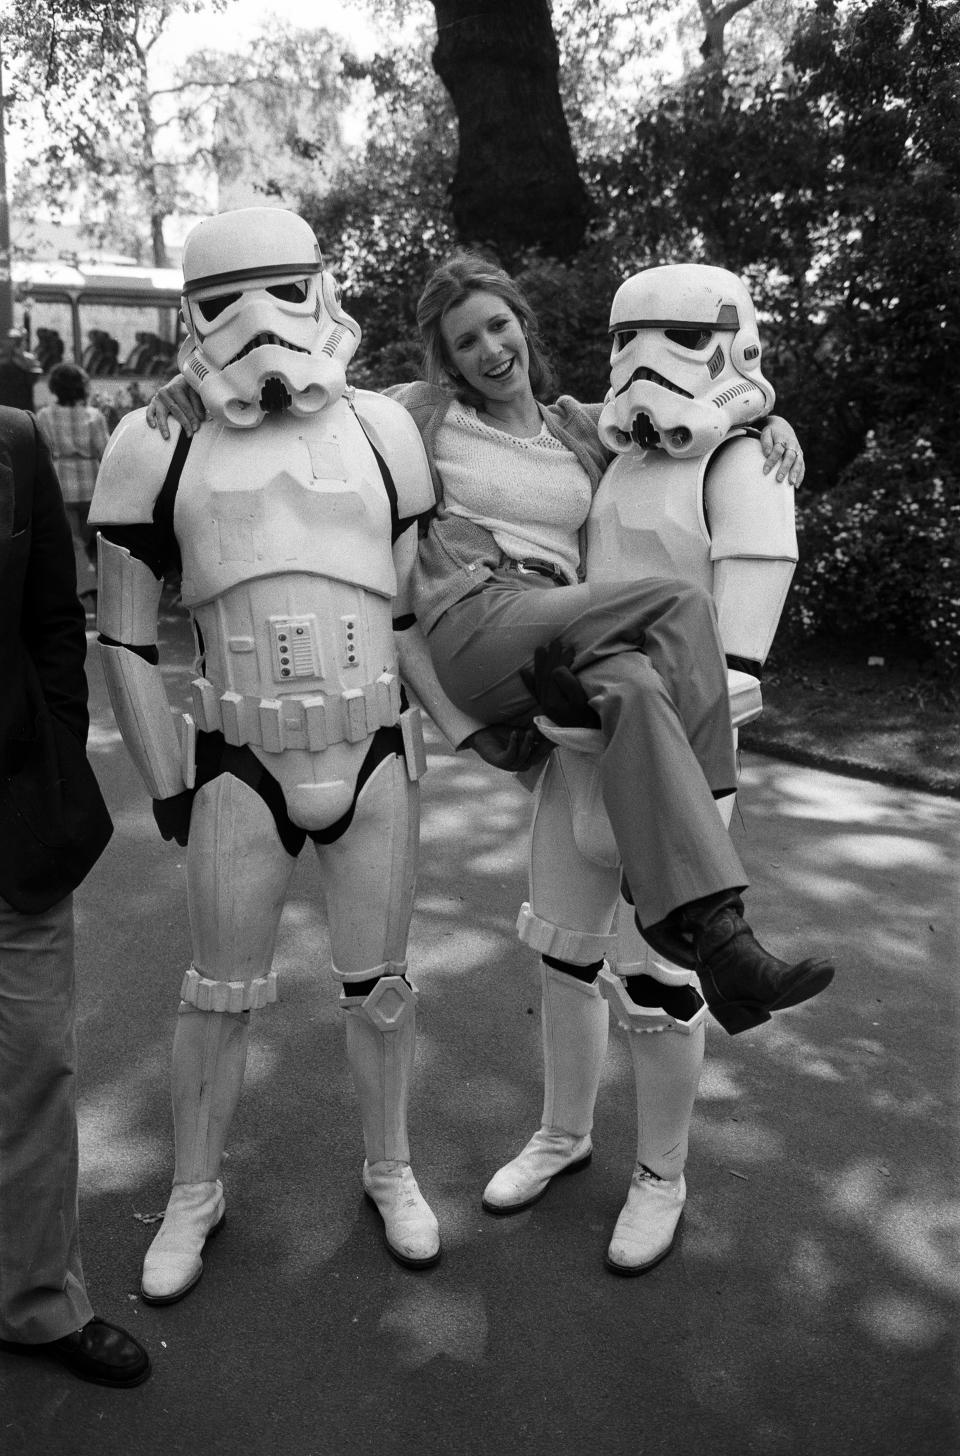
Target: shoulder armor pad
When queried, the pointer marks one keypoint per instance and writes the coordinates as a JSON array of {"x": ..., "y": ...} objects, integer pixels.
[
  {"x": 750, "y": 514},
  {"x": 395, "y": 435},
  {"x": 132, "y": 472}
]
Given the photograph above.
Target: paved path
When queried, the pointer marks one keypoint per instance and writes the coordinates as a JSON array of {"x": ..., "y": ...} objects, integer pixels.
[{"x": 811, "y": 1303}]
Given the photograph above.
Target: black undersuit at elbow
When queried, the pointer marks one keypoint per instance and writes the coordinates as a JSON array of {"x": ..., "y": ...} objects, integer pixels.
[
  {"x": 147, "y": 544},
  {"x": 745, "y": 664},
  {"x": 148, "y": 653}
]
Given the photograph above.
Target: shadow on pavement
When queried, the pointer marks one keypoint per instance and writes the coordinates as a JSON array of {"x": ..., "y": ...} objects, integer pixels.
[{"x": 810, "y": 1304}]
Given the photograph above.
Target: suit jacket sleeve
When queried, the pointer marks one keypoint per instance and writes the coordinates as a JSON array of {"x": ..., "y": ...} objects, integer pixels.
[{"x": 53, "y": 623}]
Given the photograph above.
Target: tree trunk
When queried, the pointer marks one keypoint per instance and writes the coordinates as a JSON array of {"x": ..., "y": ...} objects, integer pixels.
[
  {"x": 147, "y": 165},
  {"x": 516, "y": 185},
  {"x": 715, "y": 21}
]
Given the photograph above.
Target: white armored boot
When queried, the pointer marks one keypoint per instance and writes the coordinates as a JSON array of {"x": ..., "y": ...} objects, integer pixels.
[
  {"x": 209, "y": 1056},
  {"x": 667, "y": 1056},
  {"x": 574, "y": 1021},
  {"x": 381, "y": 1041}
]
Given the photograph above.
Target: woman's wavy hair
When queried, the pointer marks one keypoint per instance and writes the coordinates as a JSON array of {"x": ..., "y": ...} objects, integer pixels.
[{"x": 454, "y": 281}]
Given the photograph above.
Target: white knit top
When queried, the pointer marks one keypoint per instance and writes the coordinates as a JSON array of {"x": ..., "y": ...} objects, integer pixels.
[{"x": 531, "y": 495}]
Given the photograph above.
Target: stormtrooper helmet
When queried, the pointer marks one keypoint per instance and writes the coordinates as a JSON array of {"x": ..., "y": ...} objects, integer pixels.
[
  {"x": 266, "y": 330},
  {"x": 685, "y": 363}
]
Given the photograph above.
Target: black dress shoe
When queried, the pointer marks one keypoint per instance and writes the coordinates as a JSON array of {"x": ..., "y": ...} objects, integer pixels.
[{"x": 102, "y": 1353}]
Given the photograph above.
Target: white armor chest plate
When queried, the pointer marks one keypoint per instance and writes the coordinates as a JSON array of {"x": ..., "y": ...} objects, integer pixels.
[
  {"x": 292, "y": 496},
  {"x": 647, "y": 520}
]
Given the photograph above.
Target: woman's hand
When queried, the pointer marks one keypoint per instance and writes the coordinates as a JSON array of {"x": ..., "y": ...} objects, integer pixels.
[
  {"x": 781, "y": 450},
  {"x": 513, "y": 749},
  {"x": 179, "y": 400}
]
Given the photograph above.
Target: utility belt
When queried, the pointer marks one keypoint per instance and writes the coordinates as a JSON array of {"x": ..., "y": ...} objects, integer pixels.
[
  {"x": 312, "y": 721},
  {"x": 535, "y": 566}
]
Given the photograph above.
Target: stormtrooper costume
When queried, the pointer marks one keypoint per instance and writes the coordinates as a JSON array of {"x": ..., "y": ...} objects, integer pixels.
[
  {"x": 292, "y": 517},
  {"x": 685, "y": 497}
]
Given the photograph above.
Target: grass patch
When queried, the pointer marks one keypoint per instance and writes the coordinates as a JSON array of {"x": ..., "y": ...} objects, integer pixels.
[{"x": 891, "y": 719}]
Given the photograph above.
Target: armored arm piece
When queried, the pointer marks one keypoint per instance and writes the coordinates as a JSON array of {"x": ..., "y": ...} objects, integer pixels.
[
  {"x": 753, "y": 547},
  {"x": 417, "y": 671},
  {"x": 394, "y": 435},
  {"x": 131, "y": 554}
]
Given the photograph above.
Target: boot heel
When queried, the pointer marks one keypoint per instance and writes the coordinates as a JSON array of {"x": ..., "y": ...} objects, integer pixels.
[
  {"x": 737, "y": 1016},
  {"x": 578, "y": 1166}
]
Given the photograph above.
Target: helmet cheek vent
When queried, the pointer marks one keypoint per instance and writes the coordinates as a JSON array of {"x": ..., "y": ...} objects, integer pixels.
[{"x": 333, "y": 343}]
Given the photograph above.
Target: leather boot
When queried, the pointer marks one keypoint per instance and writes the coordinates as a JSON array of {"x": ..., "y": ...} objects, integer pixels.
[
  {"x": 381, "y": 1041},
  {"x": 574, "y": 1023},
  {"x": 173, "y": 1262},
  {"x": 666, "y": 1068},
  {"x": 741, "y": 982}
]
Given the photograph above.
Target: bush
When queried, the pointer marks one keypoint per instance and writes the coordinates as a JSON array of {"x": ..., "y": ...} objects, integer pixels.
[
  {"x": 879, "y": 553},
  {"x": 572, "y": 305},
  {"x": 116, "y": 403}
]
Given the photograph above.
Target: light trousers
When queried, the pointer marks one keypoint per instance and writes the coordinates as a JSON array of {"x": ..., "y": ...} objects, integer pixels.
[{"x": 649, "y": 656}]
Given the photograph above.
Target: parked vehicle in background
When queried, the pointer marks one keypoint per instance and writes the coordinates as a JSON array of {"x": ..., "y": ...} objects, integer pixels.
[{"x": 118, "y": 321}]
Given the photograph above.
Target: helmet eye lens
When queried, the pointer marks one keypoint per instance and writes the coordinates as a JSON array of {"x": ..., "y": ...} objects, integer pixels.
[
  {"x": 212, "y": 308},
  {"x": 624, "y": 337},
  {"x": 690, "y": 338},
  {"x": 290, "y": 292}
]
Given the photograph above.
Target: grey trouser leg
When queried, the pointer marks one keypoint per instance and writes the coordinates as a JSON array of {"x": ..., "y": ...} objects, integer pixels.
[
  {"x": 42, "y": 1293},
  {"x": 650, "y": 658}
]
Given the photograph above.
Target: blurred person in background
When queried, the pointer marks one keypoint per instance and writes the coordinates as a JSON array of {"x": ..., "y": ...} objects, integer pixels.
[{"x": 77, "y": 435}]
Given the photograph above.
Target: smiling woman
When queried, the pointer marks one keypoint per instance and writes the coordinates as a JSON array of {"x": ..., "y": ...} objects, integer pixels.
[{"x": 487, "y": 344}]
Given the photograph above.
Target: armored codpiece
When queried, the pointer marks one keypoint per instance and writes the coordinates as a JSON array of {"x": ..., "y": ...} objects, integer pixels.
[
  {"x": 291, "y": 518},
  {"x": 685, "y": 498}
]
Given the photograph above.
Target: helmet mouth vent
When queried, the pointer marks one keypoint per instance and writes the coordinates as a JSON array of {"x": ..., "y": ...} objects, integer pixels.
[
  {"x": 260, "y": 341},
  {"x": 650, "y": 376},
  {"x": 275, "y": 397},
  {"x": 644, "y": 433}
]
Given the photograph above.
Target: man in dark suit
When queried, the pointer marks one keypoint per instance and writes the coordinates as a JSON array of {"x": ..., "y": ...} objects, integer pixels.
[{"x": 53, "y": 827}]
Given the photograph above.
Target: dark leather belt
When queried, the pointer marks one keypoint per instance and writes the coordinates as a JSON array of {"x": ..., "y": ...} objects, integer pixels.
[{"x": 537, "y": 566}]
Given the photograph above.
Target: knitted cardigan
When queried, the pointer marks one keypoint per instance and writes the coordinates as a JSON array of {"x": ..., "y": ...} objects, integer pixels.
[{"x": 456, "y": 554}]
